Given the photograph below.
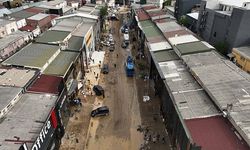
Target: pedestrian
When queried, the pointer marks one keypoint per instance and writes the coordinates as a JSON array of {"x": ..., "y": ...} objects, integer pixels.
[
  {"x": 96, "y": 78},
  {"x": 93, "y": 61},
  {"x": 99, "y": 65},
  {"x": 157, "y": 137},
  {"x": 103, "y": 95},
  {"x": 154, "y": 139},
  {"x": 94, "y": 72},
  {"x": 163, "y": 140},
  {"x": 117, "y": 55},
  {"x": 115, "y": 65},
  {"x": 97, "y": 75}
]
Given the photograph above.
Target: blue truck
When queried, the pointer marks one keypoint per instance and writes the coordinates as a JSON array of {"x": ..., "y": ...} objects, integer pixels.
[{"x": 129, "y": 67}]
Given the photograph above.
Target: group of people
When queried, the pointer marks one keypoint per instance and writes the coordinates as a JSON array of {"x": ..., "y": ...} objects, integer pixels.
[{"x": 150, "y": 136}]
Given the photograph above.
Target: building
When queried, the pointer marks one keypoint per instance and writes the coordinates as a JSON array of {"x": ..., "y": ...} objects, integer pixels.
[
  {"x": 43, "y": 21},
  {"x": 20, "y": 17},
  {"x": 34, "y": 55},
  {"x": 7, "y": 27},
  {"x": 194, "y": 97},
  {"x": 222, "y": 22},
  {"x": 242, "y": 57},
  {"x": 13, "y": 42},
  {"x": 183, "y": 7},
  {"x": 54, "y": 37}
]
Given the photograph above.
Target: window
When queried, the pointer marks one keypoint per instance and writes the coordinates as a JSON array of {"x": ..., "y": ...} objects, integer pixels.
[
  {"x": 12, "y": 30},
  {"x": 214, "y": 34}
]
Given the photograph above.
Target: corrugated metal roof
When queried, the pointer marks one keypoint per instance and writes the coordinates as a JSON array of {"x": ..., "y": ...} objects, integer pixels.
[
  {"x": 35, "y": 10},
  {"x": 182, "y": 39},
  {"x": 177, "y": 33},
  {"x": 159, "y": 46},
  {"x": 82, "y": 30},
  {"x": 164, "y": 55},
  {"x": 16, "y": 77},
  {"x": 7, "y": 95},
  {"x": 226, "y": 84},
  {"x": 34, "y": 55},
  {"x": 26, "y": 119},
  {"x": 39, "y": 16},
  {"x": 22, "y": 14},
  {"x": 52, "y": 36},
  {"x": 188, "y": 95},
  {"x": 191, "y": 48},
  {"x": 214, "y": 133},
  {"x": 142, "y": 15},
  {"x": 75, "y": 43},
  {"x": 169, "y": 26},
  {"x": 151, "y": 31},
  {"x": 46, "y": 84},
  {"x": 156, "y": 13},
  {"x": 61, "y": 64},
  {"x": 156, "y": 39}
]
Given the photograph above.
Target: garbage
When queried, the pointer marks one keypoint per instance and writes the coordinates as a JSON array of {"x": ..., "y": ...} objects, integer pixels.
[{"x": 146, "y": 98}]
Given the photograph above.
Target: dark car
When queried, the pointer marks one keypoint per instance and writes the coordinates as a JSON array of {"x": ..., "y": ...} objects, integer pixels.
[
  {"x": 105, "y": 69},
  {"x": 124, "y": 44},
  {"x": 101, "y": 111},
  {"x": 98, "y": 90}
]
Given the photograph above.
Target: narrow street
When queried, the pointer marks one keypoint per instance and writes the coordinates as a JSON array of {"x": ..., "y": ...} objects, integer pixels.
[
  {"x": 124, "y": 97},
  {"x": 119, "y": 129}
]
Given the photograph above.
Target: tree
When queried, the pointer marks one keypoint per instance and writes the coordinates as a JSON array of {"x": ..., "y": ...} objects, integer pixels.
[
  {"x": 222, "y": 47},
  {"x": 103, "y": 13},
  {"x": 183, "y": 21}
]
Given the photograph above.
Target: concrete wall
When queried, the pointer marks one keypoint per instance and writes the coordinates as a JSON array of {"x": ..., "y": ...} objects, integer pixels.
[
  {"x": 239, "y": 30},
  {"x": 11, "y": 27},
  {"x": 182, "y": 7}
]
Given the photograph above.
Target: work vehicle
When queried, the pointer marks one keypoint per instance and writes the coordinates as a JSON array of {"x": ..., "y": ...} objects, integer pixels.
[
  {"x": 105, "y": 69},
  {"x": 129, "y": 67},
  {"x": 101, "y": 111}
]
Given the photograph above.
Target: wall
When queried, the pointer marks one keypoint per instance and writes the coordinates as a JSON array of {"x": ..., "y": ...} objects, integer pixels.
[
  {"x": 11, "y": 27},
  {"x": 239, "y": 28},
  {"x": 3, "y": 32},
  {"x": 21, "y": 23},
  {"x": 45, "y": 23},
  {"x": 11, "y": 48},
  {"x": 182, "y": 7},
  {"x": 219, "y": 30}
]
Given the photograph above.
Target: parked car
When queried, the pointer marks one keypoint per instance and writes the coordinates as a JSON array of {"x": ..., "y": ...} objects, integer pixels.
[
  {"x": 101, "y": 111},
  {"x": 98, "y": 90},
  {"x": 105, "y": 69}
]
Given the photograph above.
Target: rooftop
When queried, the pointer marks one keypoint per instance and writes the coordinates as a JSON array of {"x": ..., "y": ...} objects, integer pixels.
[
  {"x": 217, "y": 134},
  {"x": 243, "y": 51},
  {"x": 169, "y": 26},
  {"x": 35, "y": 10},
  {"x": 46, "y": 84},
  {"x": 228, "y": 86},
  {"x": 7, "y": 96},
  {"x": 182, "y": 39},
  {"x": 164, "y": 55},
  {"x": 177, "y": 33},
  {"x": 61, "y": 63},
  {"x": 189, "y": 97},
  {"x": 4, "y": 22},
  {"x": 83, "y": 29},
  {"x": 142, "y": 15},
  {"x": 34, "y": 55},
  {"x": 39, "y": 16},
  {"x": 75, "y": 43},
  {"x": 160, "y": 46},
  {"x": 156, "y": 39},
  {"x": 191, "y": 48},
  {"x": 16, "y": 77},
  {"x": 5, "y": 41},
  {"x": 149, "y": 28},
  {"x": 52, "y": 36},
  {"x": 22, "y": 14},
  {"x": 26, "y": 119}
]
